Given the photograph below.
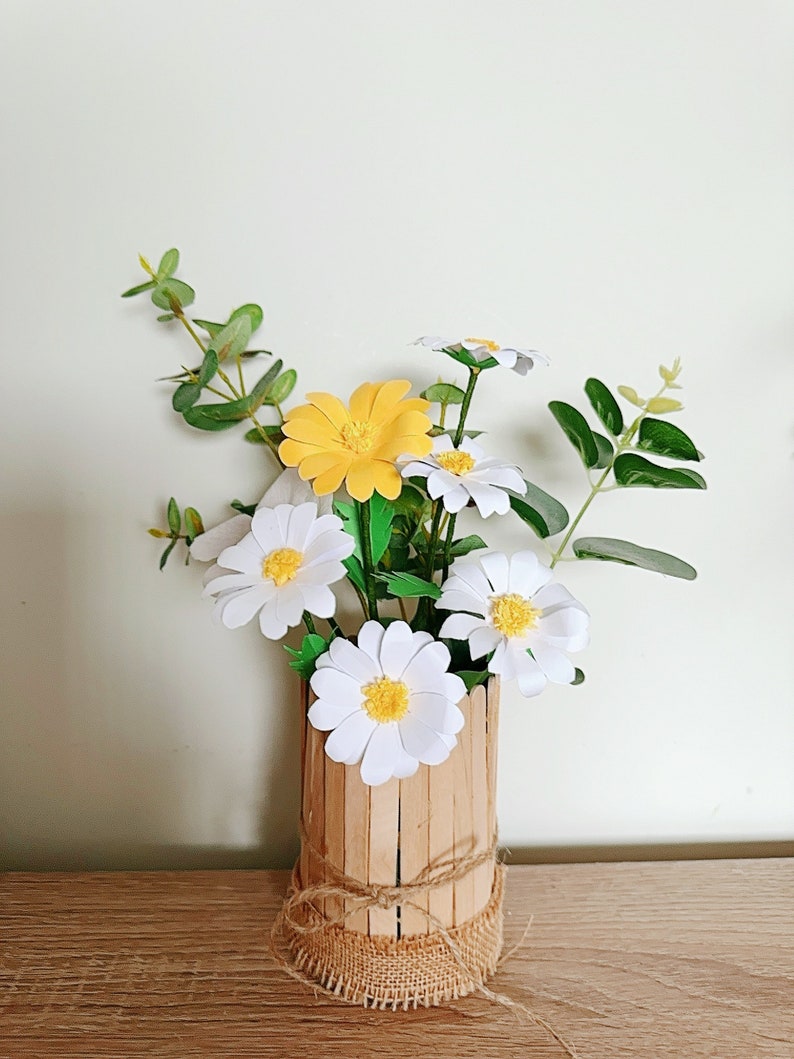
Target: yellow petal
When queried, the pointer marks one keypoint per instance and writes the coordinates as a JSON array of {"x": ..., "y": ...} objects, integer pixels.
[
  {"x": 360, "y": 480},
  {"x": 387, "y": 480},
  {"x": 307, "y": 412},
  {"x": 319, "y": 462},
  {"x": 405, "y": 445},
  {"x": 361, "y": 401},
  {"x": 330, "y": 480},
  {"x": 323, "y": 435},
  {"x": 331, "y": 407},
  {"x": 407, "y": 423},
  {"x": 292, "y": 452},
  {"x": 387, "y": 397}
]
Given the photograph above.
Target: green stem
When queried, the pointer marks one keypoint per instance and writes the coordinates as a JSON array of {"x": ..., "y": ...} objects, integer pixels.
[
  {"x": 308, "y": 621},
  {"x": 448, "y": 547},
  {"x": 364, "y": 519},
  {"x": 474, "y": 374},
  {"x": 334, "y": 626},
  {"x": 189, "y": 328}
]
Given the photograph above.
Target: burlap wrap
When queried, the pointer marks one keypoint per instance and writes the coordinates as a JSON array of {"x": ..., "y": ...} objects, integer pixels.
[{"x": 419, "y": 970}]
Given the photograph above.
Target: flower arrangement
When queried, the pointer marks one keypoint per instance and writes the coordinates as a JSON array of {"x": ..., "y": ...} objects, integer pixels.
[{"x": 370, "y": 491}]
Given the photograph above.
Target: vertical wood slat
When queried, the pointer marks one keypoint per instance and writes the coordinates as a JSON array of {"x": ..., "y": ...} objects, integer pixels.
[
  {"x": 335, "y": 829},
  {"x": 441, "y": 835},
  {"x": 492, "y": 746},
  {"x": 312, "y": 869},
  {"x": 414, "y": 834},
  {"x": 384, "y": 836},
  {"x": 463, "y": 888},
  {"x": 356, "y": 822},
  {"x": 483, "y": 875}
]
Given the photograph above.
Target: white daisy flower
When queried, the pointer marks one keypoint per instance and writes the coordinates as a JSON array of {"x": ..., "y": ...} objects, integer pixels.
[
  {"x": 466, "y": 473},
  {"x": 388, "y": 702},
  {"x": 514, "y": 608},
  {"x": 288, "y": 488},
  {"x": 520, "y": 360},
  {"x": 282, "y": 567}
]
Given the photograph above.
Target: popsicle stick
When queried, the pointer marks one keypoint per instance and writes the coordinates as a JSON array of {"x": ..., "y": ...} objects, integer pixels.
[
  {"x": 384, "y": 808},
  {"x": 492, "y": 749},
  {"x": 335, "y": 829},
  {"x": 463, "y": 816},
  {"x": 441, "y": 834},
  {"x": 414, "y": 823},
  {"x": 312, "y": 869},
  {"x": 356, "y": 841},
  {"x": 483, "y": 875}
]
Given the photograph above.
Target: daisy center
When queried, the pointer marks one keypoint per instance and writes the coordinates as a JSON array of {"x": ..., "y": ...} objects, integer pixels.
[
  {"x": 455, "y": 462},
  {"x": 492, "y": 346},
  {"x": 513, "y": 615},
  {"x": 358, "y": 435},
  {"x": 282, "y": 565},
  {"x": 385, "y": 700}
]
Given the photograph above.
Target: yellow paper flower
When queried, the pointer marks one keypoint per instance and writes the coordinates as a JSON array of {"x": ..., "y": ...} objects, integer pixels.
[{"x": 359, "y": 446}]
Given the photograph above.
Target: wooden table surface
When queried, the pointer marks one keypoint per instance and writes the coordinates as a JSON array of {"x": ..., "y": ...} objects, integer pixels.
[{"x": 649, "y": 960}]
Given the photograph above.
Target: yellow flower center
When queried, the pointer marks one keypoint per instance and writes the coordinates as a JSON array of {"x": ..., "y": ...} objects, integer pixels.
[
  {"x": 282, "y": 565},
  {"x": 513, "y": 615},
  {"x": 358, "y": 435},
  {"x": 492, "y": 346},
  {"x": 455, "y": 462},
  {"x": 385, "y": 700}
]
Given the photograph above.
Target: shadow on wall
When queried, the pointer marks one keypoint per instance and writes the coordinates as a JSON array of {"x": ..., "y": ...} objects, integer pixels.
[{"x": 101, "y": 757}]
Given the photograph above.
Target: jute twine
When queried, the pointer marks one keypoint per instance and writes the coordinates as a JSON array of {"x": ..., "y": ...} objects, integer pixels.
[{"x": 394, "y": 973}]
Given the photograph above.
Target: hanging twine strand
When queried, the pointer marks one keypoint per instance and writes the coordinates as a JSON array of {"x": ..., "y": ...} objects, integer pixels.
[{"x": 299, "y": 927}]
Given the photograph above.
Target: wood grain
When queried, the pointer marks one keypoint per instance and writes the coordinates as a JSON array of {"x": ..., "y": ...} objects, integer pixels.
[
  {"x": 414, "y": 850},
  {"x": 653, "y": 961},
  {"x": 384, "y": 829}
]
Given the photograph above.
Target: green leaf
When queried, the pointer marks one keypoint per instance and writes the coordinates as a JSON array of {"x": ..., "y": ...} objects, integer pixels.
[
  {"x": 631, "y": 395},
  {"x": 262, "y": 388},
  {"x": 304, "y": 661},
  {"x": 467, "y": 544},
  {"x": 381, "y": 514},
  {"x": 355, "y": 572},
  {"x": 201, "y": 417},
  {"x": 576, "y": 430},
  {"x": 253, "y": 312},
  {"x": 255, "y": 437},
  {"x": 605, "y": 450},
  {"x": 209, "y": 368},
  {"x": 472, "y": 677},
  {"x": 165, "y": 318},
  {"x": 174, "y": 517},
  {"x": 167, "y": 552},
  {"x": 452, "y": 431},
  {"x": 542, "y": 512},
  {"x": 665, "y": 439},
  {"x": 616, "y": 551},
  {"x": 166, "y": 294},
  {"x": 185, "y": 396},
  {"x": 232, "y": 340},
  {"x": 409, "y": 586},
  {"x": 282, "y": 387},
  {"x": 660, "y": 405},
  {"x": 210, "y": 326},
  {"x": 578, "y": 678},
  {"x": 244, "y": 509},
  {"x": 193, "y": 524},
  {"x": 444, "y": 393},
  {"x": 462, "y": 356},
  {"x": 141, "y": 287},
  {"x": 605, "y": 406},
  {"x": 634, "y": 470},
  {"x": 169, "y": 263}
]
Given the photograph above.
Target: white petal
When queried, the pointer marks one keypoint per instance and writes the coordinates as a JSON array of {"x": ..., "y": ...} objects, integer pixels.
[
  {"x": 531, "y": 681},
  {"x": 336, "y": 688},
  {"x": 528, "y": 574},
  {"x": 397, "y": 649},
  {"x": 553, "y": 595},
  {"x": 325, "y": 715},
  {"x": 484, "y": 640},
  {"x": 557, "y": 666},
  {"x": 497, "y": 569},
  {"x": 266, "y": 530},
  {"x": 503, "y": 662},
  {"x": 471, "y": 577},
  {"x": 416, "y": 470},
  {"x": 425, "y": 667},
  {"x": 405, "y": 765},
  {"x": 350, "y": 659},
  {"x": 226, "y": 582},
  {"x": 453, "y": 600},
  {"x": 270, "y": 624},
  {"x": 301, "y": 520},
  {"x": 459, "y": 626},
  {"x": 437, "y": 712},
  {"x": 245, "y": 557},
  {"x": 210, "y": 544},
  {"x": 442, "y": 443},
  {"x": 348, "y": 742},
  {"x": 422, "y": 742},
  {"x": 239, "y": 607},
  {"x": 457, "y": 498},
  {"x": 289, "y": 605},
  {"x": 370, "y": 637},
  {"x": 453, "y": 687},
  {"x": 321, "y": 574},
  {"x": 318, "y": 600},
  {"x": 489, "y": 499},
  {"x": 559, "y": 626},
  {"x": 289, "y": 488},
  {"x": 383, "y": 752},
  {"x": 440, "y": 482}
]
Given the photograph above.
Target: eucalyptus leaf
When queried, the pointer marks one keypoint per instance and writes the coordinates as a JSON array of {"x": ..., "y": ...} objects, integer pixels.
[
  {"x": 193, "y": 524},
  {"x": 262, "y": 388},
  {"x": 209, "y": 368},
  {"x": 576, "y": 430},
  {"x": 409, "y": 586},
  {"x": 282, "y": 387},
  {"x": 253, "y": 312},
  {"x": 542, "y": 512},
  {"x": 609, "y": 549},
  {"x": 169, "y": 263},
  {"x": 444, "y": 393},
  {"x": 666, "y": 439},
  {"x": 185, "y": 396},
  {"x": 578, "y": 677},
  {"x": 200, "y": 416},
  {"x": 254, "y": 435},
  {"x": 167, "y": 552},
  {"x": 173, "y": 291},
  {"x": 232, "y": 340},
  {"x": 174, "y": 517},
  {"x": 210, "y": 326},
  {"x": 605, "y": 406},
  {"x": 605, "y": 450},
  {"x": 165, "y": 318},
  {"x": 467, "y": 544},
  {"x": 244, "y": 509},
  {"x": 634, "y": 470},
  {"x": 139, "y": 289}
]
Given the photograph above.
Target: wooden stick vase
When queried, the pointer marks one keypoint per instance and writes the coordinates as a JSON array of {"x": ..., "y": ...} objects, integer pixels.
[{"x": 396, "y": 900}]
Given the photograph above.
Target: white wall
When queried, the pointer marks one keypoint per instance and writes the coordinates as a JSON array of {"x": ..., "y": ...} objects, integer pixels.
[{"x": 610, "y": 182}]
